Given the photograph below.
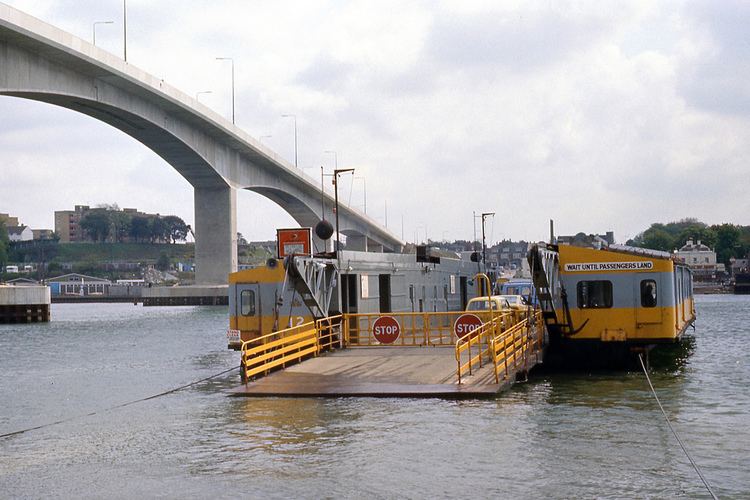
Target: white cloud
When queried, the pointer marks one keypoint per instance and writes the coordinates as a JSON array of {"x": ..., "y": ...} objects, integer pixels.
[{"x": 601, "y": 120}]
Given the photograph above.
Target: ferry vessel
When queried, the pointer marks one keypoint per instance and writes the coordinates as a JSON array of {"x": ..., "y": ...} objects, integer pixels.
[
  {"x": 603, "y": 305},
  {"x": 375, "y": 324}
]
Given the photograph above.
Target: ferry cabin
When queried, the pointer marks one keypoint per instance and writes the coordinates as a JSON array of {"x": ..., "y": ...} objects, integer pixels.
[
  {"x": 272, "y": 297},
  {"x": 624, "y": 294}
]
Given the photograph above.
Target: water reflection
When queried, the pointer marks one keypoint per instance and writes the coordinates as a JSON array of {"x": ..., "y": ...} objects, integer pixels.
[
  {"x": 673, "y": 357},
  {"x": 559, "y": 435}
]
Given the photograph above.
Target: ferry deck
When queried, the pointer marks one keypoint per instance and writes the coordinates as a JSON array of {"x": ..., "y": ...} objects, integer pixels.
[{"x": 395, "y": 355}]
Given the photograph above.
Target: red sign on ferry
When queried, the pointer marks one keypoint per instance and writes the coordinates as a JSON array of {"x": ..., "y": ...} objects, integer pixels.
[
  {"x": 466, "y": 324},
  {"x": 386, "y": 329},
  {"x": 294, "y": 242}
]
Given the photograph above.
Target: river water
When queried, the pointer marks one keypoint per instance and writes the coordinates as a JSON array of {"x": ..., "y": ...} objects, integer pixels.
[{"x": 559, "y": 435}]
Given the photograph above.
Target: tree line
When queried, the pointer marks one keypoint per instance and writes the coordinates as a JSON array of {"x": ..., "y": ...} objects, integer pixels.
[
  {"x": 727, "y": 240},
  {"x": 108, "y": 223}
]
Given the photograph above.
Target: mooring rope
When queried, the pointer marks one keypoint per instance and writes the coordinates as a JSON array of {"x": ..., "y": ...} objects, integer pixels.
[
  {"x": 121, "y": 405},
  {"x": 692, "y": 462}
]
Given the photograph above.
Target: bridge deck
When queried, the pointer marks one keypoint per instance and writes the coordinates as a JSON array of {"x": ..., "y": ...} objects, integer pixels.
[{"x": 378, "y": 372}]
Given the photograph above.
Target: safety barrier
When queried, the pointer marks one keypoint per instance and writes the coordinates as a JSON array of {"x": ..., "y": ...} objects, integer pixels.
[
  {"x": 329, "y": 333},
  {"x": 502, "y": 338},
  {"x": 480, "y": 337},
  {"x": 513, "y": 345},
  {"x": 416, "y": 328},
  {"x": 278, "y": 349}
]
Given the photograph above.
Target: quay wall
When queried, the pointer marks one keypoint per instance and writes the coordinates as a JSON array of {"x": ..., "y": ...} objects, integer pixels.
[
  {"x": 197, "y": 295},
  {"x": 24, "y": 304}
]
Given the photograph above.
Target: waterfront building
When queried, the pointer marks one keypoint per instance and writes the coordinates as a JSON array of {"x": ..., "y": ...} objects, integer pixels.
[
  {"x": 739, "y": 266},
  {"x": 22, "y": 282},
  {"x": 36, "y": 234},
  {"x": 78, "y": 284},
  {"x": 511, "y": 254},
  {"x": 701, "y": 259},
  {"x": 43, "y": 234},
  {"x": 68, "y": 228},
  {"x": 66, "y": 223},
  {"x": 8, "y": 220},
  {"x": 588, "y": 240},
  {"x": 20, "y": 233}
]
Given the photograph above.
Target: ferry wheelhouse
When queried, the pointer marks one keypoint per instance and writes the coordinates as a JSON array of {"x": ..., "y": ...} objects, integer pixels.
[{"x": 611, "y": 302}]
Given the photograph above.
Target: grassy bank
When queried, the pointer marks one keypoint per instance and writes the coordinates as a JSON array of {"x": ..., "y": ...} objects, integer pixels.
[{"x": 130, "y": 252}]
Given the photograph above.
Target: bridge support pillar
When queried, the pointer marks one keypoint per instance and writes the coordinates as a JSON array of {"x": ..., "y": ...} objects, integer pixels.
[
  {"x": 358, "y": 243},
  {"x": 215, "y": 234}
]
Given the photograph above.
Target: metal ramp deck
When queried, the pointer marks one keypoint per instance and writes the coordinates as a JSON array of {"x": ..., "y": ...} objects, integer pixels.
[
  {"x": 348, "y": 363},
  {"x": 376, "y": 372}
]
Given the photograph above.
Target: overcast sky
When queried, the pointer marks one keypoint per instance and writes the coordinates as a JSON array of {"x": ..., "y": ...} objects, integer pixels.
[{"x": 600, "y": 115}]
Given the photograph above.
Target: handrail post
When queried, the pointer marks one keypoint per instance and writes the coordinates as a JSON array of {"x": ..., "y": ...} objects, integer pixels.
[
  {"x": 458, "y": 362},
  {"x": 494, "y": 361}
]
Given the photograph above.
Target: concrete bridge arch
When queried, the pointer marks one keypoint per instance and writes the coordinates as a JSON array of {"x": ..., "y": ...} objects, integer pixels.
[{"x": 43, "y": 63}]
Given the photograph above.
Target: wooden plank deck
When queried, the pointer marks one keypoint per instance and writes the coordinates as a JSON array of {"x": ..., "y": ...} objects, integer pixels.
[{"x": 376, "y": 372}]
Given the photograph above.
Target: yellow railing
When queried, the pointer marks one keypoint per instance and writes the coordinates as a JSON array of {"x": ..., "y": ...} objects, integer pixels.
[
  {"x": 417, "y": 328},
  {"x": 278, "y": 349},
  {"x": 505, "y": 339},
  {"x": 261, "y": 355},
  {"x": 513, "y": 345},
  {"x": 474, "y": 348},
  {"x": 502, "y": 339},
  {"x": 329, "y": 333}
]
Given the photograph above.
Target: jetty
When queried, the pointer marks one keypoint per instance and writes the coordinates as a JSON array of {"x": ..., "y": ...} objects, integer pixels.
[{"x": 24, "y": 303}]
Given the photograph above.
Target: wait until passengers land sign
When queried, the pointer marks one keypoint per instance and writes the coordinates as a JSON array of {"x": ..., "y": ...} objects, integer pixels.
[{"x": 609, "y": 266}]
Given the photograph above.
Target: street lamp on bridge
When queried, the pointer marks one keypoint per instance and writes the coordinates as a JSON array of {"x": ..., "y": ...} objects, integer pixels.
[
  {"x": 364, "y": 184},
  {"x": 336, "y": 174},
  {"x": 94, "y": 27},
  {"x": 295, "y": 136},
  {"x": 231, "y": 61},
  {"x": 202, "y": 92},
  {"x": 125, "y": 30}
]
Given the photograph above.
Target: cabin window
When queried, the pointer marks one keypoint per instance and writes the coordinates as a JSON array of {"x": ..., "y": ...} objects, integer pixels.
[
  {"x": 247, "y": 303},
  {"x": 594, "y": 294},
  {"x": 648, "y": 293}
]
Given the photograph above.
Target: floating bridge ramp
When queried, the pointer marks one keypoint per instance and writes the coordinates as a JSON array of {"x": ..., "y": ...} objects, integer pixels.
[{"x": 342, "y": 356}]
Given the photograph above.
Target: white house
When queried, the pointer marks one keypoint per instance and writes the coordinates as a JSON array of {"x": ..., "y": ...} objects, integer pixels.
[
  {"x": 20, "y": 233},
  {"x": 701, "y": 259}
]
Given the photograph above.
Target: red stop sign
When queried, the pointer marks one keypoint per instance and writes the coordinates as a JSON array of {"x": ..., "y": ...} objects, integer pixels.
[
  {"x": 386, "y": 329},
  {"x": 465, "y": 324}
]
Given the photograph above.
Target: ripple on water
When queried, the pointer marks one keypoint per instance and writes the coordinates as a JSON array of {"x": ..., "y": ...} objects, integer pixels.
[{"x": 559, "y": 435}]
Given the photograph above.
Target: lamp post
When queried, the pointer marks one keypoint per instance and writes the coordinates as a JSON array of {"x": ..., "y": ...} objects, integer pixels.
[
  {"x": 294, "y": 117},
  {"x": 336, "y": 174},
  {"x": 364, "y": 184},
  {"x": 484, "y": 247},
  {"x": 125, "y": 30},
  {"x": 202, "y": 92},
  {"x": 94, "y": 27},
  {"x": 260, "y": 139},
  {"x": 231, "y": 61}
]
